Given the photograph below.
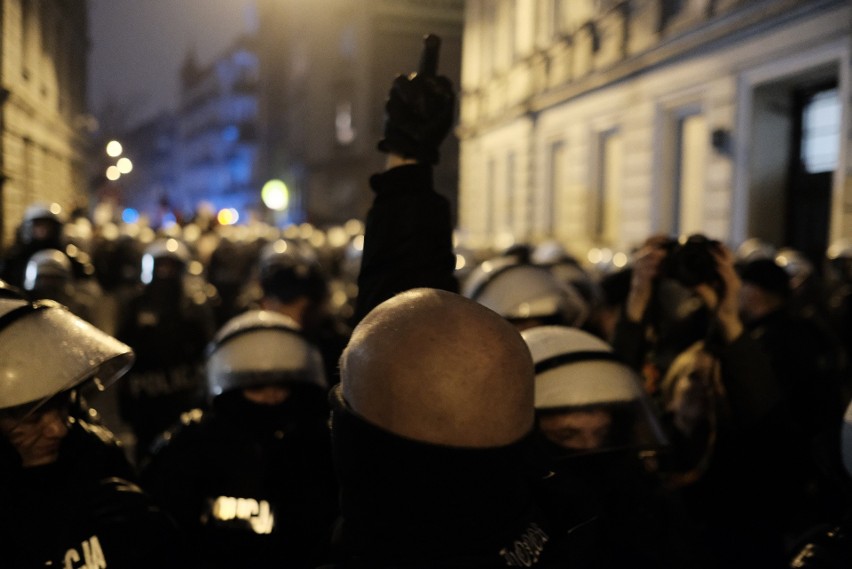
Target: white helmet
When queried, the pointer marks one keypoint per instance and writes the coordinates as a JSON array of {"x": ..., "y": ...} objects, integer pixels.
[
  {"x": 519, "y": 291},
  {"x": 550, "y": 251},
  {"x": 260, "y": 347},
  {"x": 754, "y": 248},
  {"x": 577, "y": 371},
  {"x": 796, "y": 264},
  {"x": 47, "y": 263},
  {"x": 44, "y": 350}
]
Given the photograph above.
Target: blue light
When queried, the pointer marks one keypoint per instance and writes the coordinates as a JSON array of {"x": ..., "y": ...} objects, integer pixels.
[
  {"x": 129, "y": 215},
  {"x": 230, "y": 133},
  {"x": 240, "y": 168},
  {"x": 169, "y": 219}
]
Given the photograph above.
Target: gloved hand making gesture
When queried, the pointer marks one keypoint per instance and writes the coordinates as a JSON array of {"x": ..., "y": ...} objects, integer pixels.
[{"x": 420, "y": 110}]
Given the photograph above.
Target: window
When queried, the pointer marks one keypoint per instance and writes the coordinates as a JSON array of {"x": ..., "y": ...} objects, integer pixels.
[
  {"x": 691, "y": 154},
  {"x": 821, "y": 132},
  {"x": 607, "y": 188},
  {"x": 555, "y": 180},
  {"x": 506, "y": 193}
]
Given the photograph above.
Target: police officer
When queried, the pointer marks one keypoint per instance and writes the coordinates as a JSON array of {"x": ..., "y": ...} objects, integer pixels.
[
  {"x": 65, "y": 489},
  {"x": 430, "y": 430},
  {"x": 49, "y": 274},
  {"x": 829, "y": 545},
  {"x": 600, "y": 443},
  {"x": 527, "y": 295},
  {"x": 251, "y": 480},
  {"x": 293, "y": 283},
  {"x": 40, "y": 228},
  {"x": 168, "y": 327}
]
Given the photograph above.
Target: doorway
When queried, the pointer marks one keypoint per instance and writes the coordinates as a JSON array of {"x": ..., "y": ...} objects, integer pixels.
[{"x": 794, "y": 152}]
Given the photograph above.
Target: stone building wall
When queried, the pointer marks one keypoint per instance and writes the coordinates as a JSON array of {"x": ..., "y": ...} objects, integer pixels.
[{"x": 44, "y": 120}]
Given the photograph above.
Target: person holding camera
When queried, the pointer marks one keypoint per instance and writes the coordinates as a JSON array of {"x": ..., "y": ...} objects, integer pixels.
[{"x": 733, "y": 444}]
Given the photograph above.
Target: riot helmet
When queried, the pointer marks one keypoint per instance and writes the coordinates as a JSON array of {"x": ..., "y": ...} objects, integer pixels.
[
  {"x": 752, "y": 249},
  {"x": 259, "y": 348},
  {"x": 45, "y": 349},
  {"x": 586, "y": 399},
  {"x": 164, "y": 258},
  {"x": 797, "y": 265},
  {"x": 523, "y": 292},
  {"x": 42, "y": 223},
  {"x": 48, "y": 270},
  {"x": 290, "y": 269}
]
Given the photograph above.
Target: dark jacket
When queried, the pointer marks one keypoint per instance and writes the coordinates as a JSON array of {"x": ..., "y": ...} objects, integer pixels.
[
  {"x": 407, "y": 240},
  {"x": 409, "y": 504},
  {"x": 81, "y": 511},
  {"x": 251, "y": 485},
  {"x": 168, "y": 333}
]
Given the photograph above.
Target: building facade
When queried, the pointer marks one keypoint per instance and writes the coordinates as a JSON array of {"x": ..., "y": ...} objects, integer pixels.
[
  {"x": 326, "y": 67},
  {"x": 217, "y": 133},
  {"x": 600, "y": 122},
  {"x": 43, "y": 116},
  {"x": 152, "y": 147}
]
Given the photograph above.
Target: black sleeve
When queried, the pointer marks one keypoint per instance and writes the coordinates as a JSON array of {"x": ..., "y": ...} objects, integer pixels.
[
  {"x": 629, "y": 342},
  {"x": 408, "y": 238},
  {"x": 753, "y": 391}
]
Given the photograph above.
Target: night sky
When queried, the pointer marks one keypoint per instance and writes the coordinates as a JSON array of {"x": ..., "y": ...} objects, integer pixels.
[{"x": 138, "y": 47}]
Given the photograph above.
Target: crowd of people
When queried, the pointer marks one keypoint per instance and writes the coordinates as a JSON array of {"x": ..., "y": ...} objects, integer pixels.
[{"x": 285, "y": 401}]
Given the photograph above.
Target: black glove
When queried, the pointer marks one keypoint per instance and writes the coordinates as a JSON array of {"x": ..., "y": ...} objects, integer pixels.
[{"x": 418, "y": 116}]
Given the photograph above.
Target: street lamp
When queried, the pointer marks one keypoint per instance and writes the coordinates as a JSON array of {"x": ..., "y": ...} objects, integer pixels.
[
  {"x": 124, "y": 165},
  {"x": 114, "y": 149},
  {"x": 275, "y": 195}
]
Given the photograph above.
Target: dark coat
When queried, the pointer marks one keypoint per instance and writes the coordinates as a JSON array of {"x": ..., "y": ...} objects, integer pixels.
[
  {"x": 81, "y": 510},
  {"x": 251, "y": 486},
  {"x": 407, "y": 240}
]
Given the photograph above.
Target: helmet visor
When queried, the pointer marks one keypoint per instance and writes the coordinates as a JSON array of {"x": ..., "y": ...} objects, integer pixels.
[{"x": 598, "y": 406}]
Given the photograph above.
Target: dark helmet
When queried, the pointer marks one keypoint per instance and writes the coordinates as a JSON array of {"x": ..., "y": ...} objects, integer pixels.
[
  {"x": 290, "y": 269},
  {"x": 164, "y": 250},
  {"x": 45, "y": 349},
  {"x": 48, "y": 264},
  {"x": 261, "y": 347},
  {"x": 39, "y": 213}
]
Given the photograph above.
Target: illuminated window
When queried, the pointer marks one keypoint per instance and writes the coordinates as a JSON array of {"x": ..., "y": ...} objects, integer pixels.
[{"x": 821, "y": 132}]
